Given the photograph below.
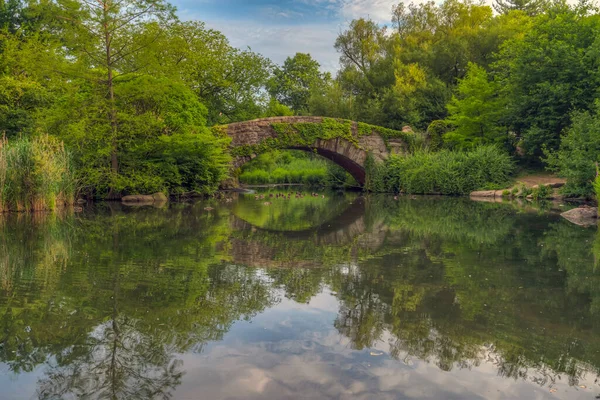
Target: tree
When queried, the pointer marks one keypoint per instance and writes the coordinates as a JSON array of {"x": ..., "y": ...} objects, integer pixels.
[
  {"x": 578, "y": 153},
  {"x": 106, "y": 36},
  {"x": 475, "y": 111},
  {"x": 530, "y": 7},
  {"x": 292, "y": 83},
  {"x": 230, "y": 82},
  {"x": 547, "y": 73}
]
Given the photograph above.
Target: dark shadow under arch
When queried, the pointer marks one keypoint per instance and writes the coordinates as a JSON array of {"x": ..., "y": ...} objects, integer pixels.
[{"x": 353, "y": 168}]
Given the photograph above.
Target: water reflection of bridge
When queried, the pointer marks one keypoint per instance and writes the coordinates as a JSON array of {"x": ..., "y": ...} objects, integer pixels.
[{"x": 347, "y": 233}]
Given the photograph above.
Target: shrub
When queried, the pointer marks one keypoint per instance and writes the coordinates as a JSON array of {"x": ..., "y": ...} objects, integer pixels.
[
  {"x": 541, "y": 192},
  {"x": 445, "y": 172},
  {"x": 35, "y": 174},
  {"x": 435, "y": 133}
]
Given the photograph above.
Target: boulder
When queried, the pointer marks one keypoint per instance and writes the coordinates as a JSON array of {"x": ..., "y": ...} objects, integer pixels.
[
  {"x": 160, "y": 197},
  {"x": 138, "y": 198},
  {"x": 583, "y": 216}
]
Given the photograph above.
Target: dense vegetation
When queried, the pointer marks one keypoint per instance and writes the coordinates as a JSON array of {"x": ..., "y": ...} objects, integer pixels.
[
  {"x": 445, "y": 172},
  {"x": 131, "y": 90},
  {"x": 296, "y": 167},
  {"x": 35, "y": 174}
]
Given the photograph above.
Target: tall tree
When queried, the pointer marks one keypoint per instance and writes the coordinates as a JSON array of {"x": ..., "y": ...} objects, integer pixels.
[
  {"x": 530, "y": 7},
  {"x": 229, "y": 81},
  {"x": 475, "y": 111},
  {"x": 292, "y": 83},
  {"x": 107, "y": 37}
]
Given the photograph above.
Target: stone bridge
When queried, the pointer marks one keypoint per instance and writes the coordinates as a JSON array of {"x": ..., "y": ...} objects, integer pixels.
[{"x": 344, "y": 142}]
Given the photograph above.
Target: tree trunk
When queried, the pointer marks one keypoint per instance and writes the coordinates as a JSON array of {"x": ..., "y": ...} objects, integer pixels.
[{"x": 112, "y": 113}]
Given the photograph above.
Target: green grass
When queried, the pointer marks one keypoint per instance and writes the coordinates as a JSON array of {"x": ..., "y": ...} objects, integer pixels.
[
  {"x": 35, "y": 174},
  {"x": 281, "y": 167}
]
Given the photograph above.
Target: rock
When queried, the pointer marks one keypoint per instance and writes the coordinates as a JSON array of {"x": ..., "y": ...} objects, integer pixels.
[
  {"x": 160, "y": 197},
  {"x": 583, "y": 216},
  {"x": 484, "y": 193},
  {"x": 407, "y": 129},
  {"x": 138, "y": 198}
]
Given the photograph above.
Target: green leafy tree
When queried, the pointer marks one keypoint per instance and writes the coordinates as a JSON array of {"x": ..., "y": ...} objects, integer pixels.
[
  {"x": 292, "y": 83},
  {"x": 578, "y": 153},
  {"x": 547, "y": 73},
  {"x": 530, "y": 7},
  {"x": 229, "y": 81},
  {"x": 475, "y": 111},
  {"x": 106, "y": 37}
]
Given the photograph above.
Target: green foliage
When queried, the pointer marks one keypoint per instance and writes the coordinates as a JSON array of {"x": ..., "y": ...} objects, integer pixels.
[
  {"x": 293, "y": 82},
  {"x": 163, "y": 140},
  {"x": 279, "y": 167},
  {"x": 445, "y": 172},
  {"x": 435, "y": 134},
  {"x": 541, "y": 192},
  {"x": 578, "y": 154},
  {"x": 35, "y": 174},
  {"x": 276, "y": 109},
  {"x": 229, "y": 81},
  {"x": 540, "y": 100},
  {"x": 530, "y": 7},
  {"x": 475, "y": 111},
  {"x": 597, "y": 187}
]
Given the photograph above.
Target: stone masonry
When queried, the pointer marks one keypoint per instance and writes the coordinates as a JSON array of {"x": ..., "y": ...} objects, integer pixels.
[{"x": 349, "y": 156}]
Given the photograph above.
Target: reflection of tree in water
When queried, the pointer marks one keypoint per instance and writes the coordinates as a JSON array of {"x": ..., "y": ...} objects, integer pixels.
[
  {"x": 109, "y": 301},
  {"x": 118, "y": 361},
  {"x": 458, "y": 299},
  {"x": 138, "y": 290},
  {"x": 293, "y": 214}
]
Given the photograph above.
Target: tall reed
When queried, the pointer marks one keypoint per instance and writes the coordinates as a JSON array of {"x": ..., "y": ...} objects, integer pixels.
[{"x": 36, "y": 174}]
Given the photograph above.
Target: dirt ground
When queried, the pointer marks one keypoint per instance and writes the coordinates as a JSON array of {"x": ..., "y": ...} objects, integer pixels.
[{"x": 539, "y": 179}]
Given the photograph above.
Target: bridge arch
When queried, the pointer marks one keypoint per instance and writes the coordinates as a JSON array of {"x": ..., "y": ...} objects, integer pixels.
[{"x": 344, "y": 142}]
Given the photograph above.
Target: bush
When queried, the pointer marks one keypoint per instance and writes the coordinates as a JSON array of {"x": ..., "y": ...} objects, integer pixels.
[
  {"x": 445, "y": 172},
  {"x": 35, "y": 174},
  {"x": 541, "y": 192},
  {"x": 435, "y": 133}
]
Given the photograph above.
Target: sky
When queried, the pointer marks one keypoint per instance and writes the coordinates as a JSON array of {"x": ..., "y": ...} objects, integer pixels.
[{"x": 280, "y": 28}]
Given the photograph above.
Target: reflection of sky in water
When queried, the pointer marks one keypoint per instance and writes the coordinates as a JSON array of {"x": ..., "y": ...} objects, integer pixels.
[
  {"x": 292, "y": 351},
  {"x": 429, "y": 269}
]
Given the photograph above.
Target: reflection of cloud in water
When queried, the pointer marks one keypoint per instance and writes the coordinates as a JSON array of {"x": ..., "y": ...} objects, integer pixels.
[{"x": 299, "y": 355}]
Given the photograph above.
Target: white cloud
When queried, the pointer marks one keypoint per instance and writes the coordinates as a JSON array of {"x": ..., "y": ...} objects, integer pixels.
[
  {"x": 379, "y": 11},
  {"x": 281, "y": 41}
]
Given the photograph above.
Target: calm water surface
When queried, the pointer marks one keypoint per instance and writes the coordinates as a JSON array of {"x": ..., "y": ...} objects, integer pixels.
[{"x": 337, "y": 298}]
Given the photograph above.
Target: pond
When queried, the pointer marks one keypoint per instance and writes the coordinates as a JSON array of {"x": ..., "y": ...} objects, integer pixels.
[{"x": 334, "y": 297}]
